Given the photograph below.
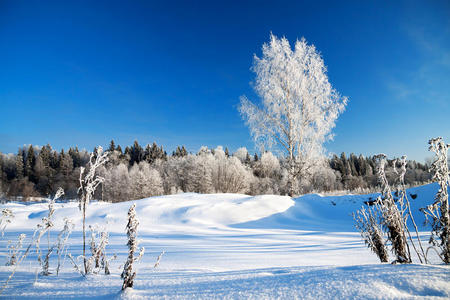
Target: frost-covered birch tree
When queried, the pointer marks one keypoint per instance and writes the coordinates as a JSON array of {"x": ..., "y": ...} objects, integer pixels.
[{"x": 299, "y": 107}]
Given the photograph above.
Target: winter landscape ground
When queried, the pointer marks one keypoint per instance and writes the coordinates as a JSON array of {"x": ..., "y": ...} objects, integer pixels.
[{"x": 228, "y": 246}]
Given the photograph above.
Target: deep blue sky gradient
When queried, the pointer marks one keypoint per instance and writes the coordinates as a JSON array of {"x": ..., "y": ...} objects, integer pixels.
[{"x": 85, "y": 72}]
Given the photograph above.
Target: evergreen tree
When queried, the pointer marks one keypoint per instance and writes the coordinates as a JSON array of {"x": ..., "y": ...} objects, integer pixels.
[
  {"x": 352, "y": 163},
  {"x": 112, "y": 146},
  {"x": 119, "y": 149},
  {"x": 177, "y": 152},
  {"x": 75, "y": 155},
  {"x": 183, "y": 151},
  {"x": 29, "y": 164},
  {"x": 19, "y": 166},
  {"x": 362, "y": 165},
  {"x": 147, "y": 153},
  {"x": 345, "y": 167},
  {"x": 65, "y": 164}
]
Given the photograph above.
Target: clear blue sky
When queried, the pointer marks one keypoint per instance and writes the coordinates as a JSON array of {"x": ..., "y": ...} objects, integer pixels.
[{"x": 85, "y": 72}]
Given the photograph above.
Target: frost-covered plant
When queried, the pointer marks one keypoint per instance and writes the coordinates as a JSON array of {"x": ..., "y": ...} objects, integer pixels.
[
  {"x": 98, "y": 250},
  {"x": 6, "y": 218},
  {"x": 44, "y": 228},
  {"x": 14, "y": 250},
  {"x": 89, "y": 181},
  {"x": 299, "y": 106},
  {"x": 144, "y": 181},
  {"x": 20, "y": 258},
  {"x": 392, "y": 218},
  {"x": 229, "y": 175},
  {"x": 63, "y": 237},
  {"x": 107, "y": 262},
  {"x": 405, "y": 206},
  {"x": 51, "y": 209},
  {"x": 75, "y": 265},
  {"x": 158, "y": 260},
  {"x": 46, "y": 263},
  {"x": 438, "y": 211},
  {"x": 129, "y": 273},
  {"x": 369, "y": 225}
]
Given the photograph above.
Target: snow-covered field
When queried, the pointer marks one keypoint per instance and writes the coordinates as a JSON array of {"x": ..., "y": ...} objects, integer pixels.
[{"x": 228, "y": 246}]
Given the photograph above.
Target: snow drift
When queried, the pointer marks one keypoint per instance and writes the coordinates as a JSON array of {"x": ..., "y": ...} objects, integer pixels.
[{"x": 231, "y": 246}]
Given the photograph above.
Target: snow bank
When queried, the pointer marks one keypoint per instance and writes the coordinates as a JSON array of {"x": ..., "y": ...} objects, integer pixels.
[{"x": 176, "y": 211}]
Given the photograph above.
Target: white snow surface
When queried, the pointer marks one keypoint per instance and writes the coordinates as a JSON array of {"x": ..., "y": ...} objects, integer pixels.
[{"x": 228, "y": 246}]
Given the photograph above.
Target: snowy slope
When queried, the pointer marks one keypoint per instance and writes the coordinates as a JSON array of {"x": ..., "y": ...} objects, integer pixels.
[
  {"x": 334, "y": 213},
  {"x": 230, "y": 246}
]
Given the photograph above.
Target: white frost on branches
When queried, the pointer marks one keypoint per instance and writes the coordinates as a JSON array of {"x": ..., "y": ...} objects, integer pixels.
[
  {"x": 89, "y": 181},
  {"x": 158, "y": 260},
  {"x": 14, "y": 250},
  {"x": 299, "y": 106},
  {"x": 63, "y": 237}
]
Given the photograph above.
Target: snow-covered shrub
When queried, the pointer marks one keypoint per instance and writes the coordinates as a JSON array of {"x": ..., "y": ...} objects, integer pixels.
[
  {"x": 229, "y": 175},
  {"x": 129, "y": 273},
  {"x": 242, "y": 155},
  {"x": 197, "y": 171},
  {"x": 369, "y": 225},
  {"x": 267, "y": 166},
  {"x": 116, "y": 187},
  {"x": 438, "y": 211},
  {"x": 264, "y": 186},
  {"x": 171, "y": 172},
  {"x": 324, "y": 180},
  {"x": 144, "y": 181}
]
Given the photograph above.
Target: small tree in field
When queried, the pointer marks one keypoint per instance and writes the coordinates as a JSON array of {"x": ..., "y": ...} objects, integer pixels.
[
  {"x": 89, "y": 181},
  {"x": 299, "y": 106},
  {"x": 439, "y": 210}
]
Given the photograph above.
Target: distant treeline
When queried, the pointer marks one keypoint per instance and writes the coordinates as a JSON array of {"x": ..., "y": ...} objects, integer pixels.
[{"x": 138, "y": 172}]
